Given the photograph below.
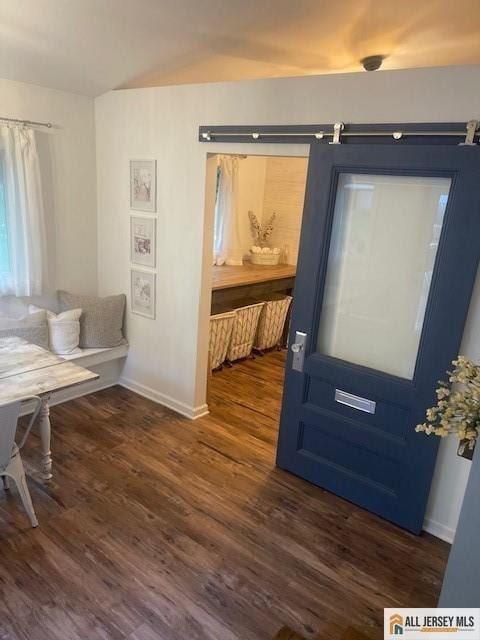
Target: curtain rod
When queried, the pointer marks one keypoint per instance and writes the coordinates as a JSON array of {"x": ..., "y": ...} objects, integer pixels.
[{"x": 27, "y": 122}]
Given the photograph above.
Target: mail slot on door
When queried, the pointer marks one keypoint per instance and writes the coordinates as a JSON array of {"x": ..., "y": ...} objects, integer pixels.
[{"x": 357, "y": 402}]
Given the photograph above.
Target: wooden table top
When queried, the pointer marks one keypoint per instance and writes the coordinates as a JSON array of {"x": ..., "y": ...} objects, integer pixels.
[
  {"x": 227, "y": 277},
  {"x": 29, "y": 370},
  {"x": 20, "y": 356}
]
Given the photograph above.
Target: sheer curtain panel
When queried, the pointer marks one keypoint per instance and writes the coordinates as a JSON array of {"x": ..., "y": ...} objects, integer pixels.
[
  {"x": 23, "y": 263},
  {"x": 227, "y": 247}
]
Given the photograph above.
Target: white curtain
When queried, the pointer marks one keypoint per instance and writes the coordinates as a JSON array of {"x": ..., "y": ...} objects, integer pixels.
[
  {"x": 227, "y": 248},
  {"x": 24, "y": 214}
]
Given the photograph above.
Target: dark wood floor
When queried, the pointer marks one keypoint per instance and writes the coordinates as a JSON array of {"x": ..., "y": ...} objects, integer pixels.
[{"x": 160, "y": 528}]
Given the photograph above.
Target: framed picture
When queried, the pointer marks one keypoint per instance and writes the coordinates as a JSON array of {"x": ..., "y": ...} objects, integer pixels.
[
  {"x": 143, "y": 185},
  {"x": 142, "y": 241},
  {"x": 143, "y": 293}
]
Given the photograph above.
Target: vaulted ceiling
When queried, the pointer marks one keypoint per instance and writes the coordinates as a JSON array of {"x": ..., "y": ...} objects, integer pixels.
[{"x": 92, "y": 46}]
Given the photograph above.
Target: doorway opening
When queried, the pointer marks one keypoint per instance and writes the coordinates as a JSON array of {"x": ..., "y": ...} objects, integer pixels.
[{"x": 255, "y": 203}]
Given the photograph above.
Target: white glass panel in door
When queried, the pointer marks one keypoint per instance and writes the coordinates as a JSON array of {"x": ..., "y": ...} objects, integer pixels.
[{"x": 383, "y": 245}]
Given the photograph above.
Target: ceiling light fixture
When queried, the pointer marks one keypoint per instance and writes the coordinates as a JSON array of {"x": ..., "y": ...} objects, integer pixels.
[{"x": 372, "y": 63}]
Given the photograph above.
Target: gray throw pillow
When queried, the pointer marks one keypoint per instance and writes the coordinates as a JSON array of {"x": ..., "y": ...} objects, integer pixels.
[
  {"x": 32, "y": 328},
  {"x": 101, "y": 322}
]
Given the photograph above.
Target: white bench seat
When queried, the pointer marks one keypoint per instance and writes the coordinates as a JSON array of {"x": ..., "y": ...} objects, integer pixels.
[
  {"x": 89, "y": 357},
  {"x": 108, "y": 363}
]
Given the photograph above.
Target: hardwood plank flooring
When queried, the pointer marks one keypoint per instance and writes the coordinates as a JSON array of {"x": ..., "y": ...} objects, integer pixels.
[
  {"x": 156, "y": 527},
  {"x": 287, "y": 634}
]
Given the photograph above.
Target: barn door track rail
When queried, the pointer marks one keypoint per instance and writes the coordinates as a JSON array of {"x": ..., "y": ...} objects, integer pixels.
[{"x": 340, "y": 133}]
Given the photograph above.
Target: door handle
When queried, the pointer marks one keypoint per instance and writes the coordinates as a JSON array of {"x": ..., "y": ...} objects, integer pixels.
[{"x": 298, "y": 350}]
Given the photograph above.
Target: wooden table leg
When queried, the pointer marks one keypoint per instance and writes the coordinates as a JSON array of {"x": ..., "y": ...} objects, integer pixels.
[{"x": 45, "y": 436}]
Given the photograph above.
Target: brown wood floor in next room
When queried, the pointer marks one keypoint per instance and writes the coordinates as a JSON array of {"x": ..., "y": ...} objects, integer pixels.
[{"x": 161, "y": 528}]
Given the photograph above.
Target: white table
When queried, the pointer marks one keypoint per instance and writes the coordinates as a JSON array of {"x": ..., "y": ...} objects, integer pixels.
[{"x": 28, "y": 370}]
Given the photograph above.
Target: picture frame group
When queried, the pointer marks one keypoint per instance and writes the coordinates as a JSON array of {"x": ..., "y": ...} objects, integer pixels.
[{"x": 143, "y": 235}]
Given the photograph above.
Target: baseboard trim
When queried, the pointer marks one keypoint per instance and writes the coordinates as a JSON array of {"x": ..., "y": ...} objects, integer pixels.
[
  {"x": 439, "y": 530},
  {"x": 200, "y": 411},
  {"x": 193, "y": 413}
]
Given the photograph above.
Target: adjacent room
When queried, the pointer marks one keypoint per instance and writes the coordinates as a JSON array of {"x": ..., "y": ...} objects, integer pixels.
[
  {"x": 257, "y": 216},
  {"x": 239, "y": 320}
]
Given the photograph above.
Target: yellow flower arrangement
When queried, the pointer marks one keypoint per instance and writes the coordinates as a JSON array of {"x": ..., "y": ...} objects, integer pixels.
[{"x": 458, "y": 408}]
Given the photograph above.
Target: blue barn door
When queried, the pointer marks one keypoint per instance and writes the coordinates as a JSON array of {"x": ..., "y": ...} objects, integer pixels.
[{"x": 388, "y": 255}]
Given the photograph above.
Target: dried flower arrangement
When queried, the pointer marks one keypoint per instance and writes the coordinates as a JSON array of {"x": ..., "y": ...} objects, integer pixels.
[
  {"x": 458, "y": 410},
  {"x": 261, "y": 234}
]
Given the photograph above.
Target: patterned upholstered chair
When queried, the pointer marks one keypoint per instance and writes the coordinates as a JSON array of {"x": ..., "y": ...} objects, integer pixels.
[
  {"x": 11, "y": 465},
  {"x": 221, "y": 327},
  {"x": 271, "y": 323}
]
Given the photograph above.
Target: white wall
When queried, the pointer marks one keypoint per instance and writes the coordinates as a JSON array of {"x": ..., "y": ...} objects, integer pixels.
[
  {"x": 451, "y": 472},
  {"x": 168, "y": 355},
  {"x": 67, "y": 162}
]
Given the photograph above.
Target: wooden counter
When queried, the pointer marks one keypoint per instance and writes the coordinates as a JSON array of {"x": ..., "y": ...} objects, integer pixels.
[
  {"x": 226, "y": 277},
  {"x": 239, "y": 282}
]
